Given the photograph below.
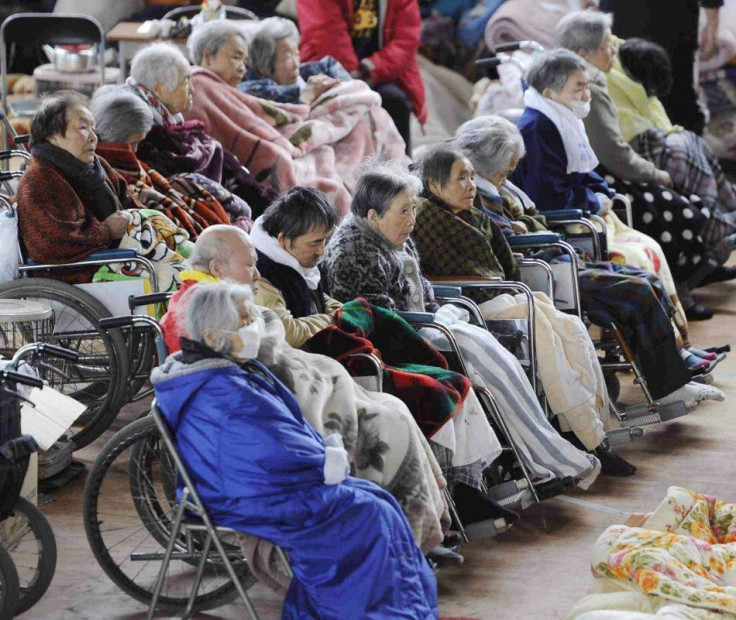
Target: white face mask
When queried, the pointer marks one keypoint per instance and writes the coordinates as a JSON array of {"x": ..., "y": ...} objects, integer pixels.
[
  {"x": 580, "y": 109},
  {"x": 251, "y": 337}
]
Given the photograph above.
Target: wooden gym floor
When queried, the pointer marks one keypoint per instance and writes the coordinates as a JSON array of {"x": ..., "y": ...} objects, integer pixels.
[{"x": 536, "y": 570}]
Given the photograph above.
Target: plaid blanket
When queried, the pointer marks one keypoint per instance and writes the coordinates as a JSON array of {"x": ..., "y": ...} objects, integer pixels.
[
  {"x": 412, "y": 370},
  {"x": 467, "y": 244},
  {"x": 191, "y": 208}
]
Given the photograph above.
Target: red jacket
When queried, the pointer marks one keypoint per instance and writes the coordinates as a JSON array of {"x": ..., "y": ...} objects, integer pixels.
[{"x": 324, "y": 26}]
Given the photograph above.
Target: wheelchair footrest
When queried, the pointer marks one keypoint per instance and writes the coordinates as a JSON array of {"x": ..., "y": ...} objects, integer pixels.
[
  {"x": 510, "y": 493},
  {"x": 673, "y": 410},
  {"x": 486, "y": 529},
  {"x": 622, "y": 436}
]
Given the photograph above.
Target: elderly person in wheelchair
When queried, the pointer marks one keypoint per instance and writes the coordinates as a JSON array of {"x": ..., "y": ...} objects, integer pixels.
[
  {"x": 71, "y": 203},
  {"x": 456, "y": 239},
  {"x": 673, "y": 185},
  {"x": 630, "y": 298},
  {"x": 69, "y": 200},
  {"x": 275, "y": 71},
  {"x": 260, "y": 468},
  {"x": 371, "y": 255}
]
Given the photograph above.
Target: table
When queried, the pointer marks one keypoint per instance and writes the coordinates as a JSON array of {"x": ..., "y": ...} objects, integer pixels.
[{"x": 129, "y": 41}]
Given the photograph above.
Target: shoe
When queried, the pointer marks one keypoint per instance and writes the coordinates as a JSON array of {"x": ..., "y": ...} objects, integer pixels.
[
  {"x": 473, "y": 506},
  {"x": 613, "y": 465},
  {"x": 719, "y": 274},
  {"x": 441, "y": 557},
  {"x": 699, "y": 312}
]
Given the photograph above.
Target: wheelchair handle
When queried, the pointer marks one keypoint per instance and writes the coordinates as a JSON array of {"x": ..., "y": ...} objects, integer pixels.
[
  {"x": 488, "y": 62},
  {"x": 417, "y": 317},
  {"x": 135, "y": 301},
  {"x": 519, "y": 45},
  {"x": 16, "y": 377},
  {"x": 22, "y": 138},
  {"x": 116, "y": 321},
  {"x": 57, "y": 351}
]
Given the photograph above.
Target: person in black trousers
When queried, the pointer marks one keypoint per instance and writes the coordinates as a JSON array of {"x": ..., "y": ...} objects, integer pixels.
[{"x": 673, "y": 24}]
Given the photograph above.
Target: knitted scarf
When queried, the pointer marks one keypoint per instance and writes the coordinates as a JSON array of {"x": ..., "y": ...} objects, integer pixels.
[
  {"x": 90, "y": 181},
  {"x": 161, "y": 114}
]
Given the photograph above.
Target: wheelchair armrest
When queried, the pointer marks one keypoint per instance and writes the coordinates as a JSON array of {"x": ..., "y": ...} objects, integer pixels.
[
  {"x": 447, "y": 291},
  {"x": 416, "y": 317},
  {"x": 99, "y": 255},
  {"x": 519, "y": 241},
  {"x": 111, "y": 253},
  {"x": 564, "y": 214}
]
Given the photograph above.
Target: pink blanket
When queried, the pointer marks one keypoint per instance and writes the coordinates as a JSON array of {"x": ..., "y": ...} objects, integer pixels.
[{"x": 287, "y": 145}]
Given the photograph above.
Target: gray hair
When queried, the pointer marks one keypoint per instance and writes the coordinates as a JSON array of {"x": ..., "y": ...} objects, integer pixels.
[
  {"x": 262, "y": 49},
  {"x": 158, "y": 62},
  {"x": 210, "y": 37},
  {"x": 216, "y": 306},
  {"x": 582, "y": 31},
  {"x": 490, "y": 143},
  {"x": 211, "y": 244},
  {"x": 118, "y": 113},
  {"x": 552, "y": 70},
  {"x": 378, "y": 184}
]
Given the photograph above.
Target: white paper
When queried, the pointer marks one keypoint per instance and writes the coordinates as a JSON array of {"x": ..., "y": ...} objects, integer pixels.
[{"x": 52, "y": 414}]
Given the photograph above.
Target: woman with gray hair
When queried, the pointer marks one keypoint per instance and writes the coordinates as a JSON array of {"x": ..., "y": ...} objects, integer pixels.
[
  {"x": 161, "y": 78},
  {"x": 275, "y": 72},
  {"x": 192, "y": 201},
  {"x": 220, "y": 46},
  {"x": 262, "y": 469},
  {"x": 371, "y": 255},
  {"x": 695, "y": 236}
]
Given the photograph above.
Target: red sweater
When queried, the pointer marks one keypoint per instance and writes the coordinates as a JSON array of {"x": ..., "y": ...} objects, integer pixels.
[{"x": 324, "y": 26}]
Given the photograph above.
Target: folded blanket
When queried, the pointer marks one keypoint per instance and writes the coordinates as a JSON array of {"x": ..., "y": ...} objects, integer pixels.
[
  {"x": 519, "y": 20},
  {"x": 684, "y": 553},
  {"x": 412, "y": 369}
]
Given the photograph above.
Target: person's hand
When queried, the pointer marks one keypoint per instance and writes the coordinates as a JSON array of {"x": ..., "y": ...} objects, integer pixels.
[
  {"x": 519, "y": 227},
  {"x": 606, "y": 205},
  {"x": 117, "y": 224},
  {"x": 664, "y": 178},
  {"x": 316, "y": 85},
  {"x": 709, "y": 35}
]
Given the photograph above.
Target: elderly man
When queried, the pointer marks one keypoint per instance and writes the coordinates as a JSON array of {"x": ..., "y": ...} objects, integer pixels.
[
  {"x": 290, "y": 238},
  {"x": 222, "y": 252},
  {"x": 275, "y": 70}
]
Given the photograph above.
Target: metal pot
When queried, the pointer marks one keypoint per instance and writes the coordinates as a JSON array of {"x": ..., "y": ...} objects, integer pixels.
[{"x": 66, "y": 61}]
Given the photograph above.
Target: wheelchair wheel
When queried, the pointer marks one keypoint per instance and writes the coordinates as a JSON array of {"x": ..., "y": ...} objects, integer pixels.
[
  {"x": 9, "y": 589},
  {"x": 30, "y": 541},
  {"x": 128, "y": 506},
  {"x": 98, "y": 379}
]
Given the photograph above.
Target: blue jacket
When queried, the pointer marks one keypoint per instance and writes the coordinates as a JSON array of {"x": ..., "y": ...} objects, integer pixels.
[
  {"x": 258, "y": 467},
  {"x": 542, "y": 172}
]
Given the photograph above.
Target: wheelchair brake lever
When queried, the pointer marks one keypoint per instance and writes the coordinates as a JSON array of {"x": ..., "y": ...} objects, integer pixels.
[
  {"x": 54, "y": 369},
  {"x": 13, "y": 393}
]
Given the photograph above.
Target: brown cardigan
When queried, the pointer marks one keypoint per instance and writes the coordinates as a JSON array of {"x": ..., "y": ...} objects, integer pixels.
[{"x": 56, "y": 226}]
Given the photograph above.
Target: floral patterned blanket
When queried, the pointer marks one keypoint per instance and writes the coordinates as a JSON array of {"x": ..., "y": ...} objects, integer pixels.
[{"x": 685, "y": 552}]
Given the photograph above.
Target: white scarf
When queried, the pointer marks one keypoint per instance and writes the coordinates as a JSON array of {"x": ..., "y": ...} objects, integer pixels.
[
  {"x": 269, "y": 245},
  {"x": 580, "y": 155},
  {"x": 486, "y": 186}
]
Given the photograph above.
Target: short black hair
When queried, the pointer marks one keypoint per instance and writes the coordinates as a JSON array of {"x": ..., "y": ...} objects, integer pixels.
[
  {"x": 299, "y": 211},
  {"x": 436, "y": 164},
  {"x": 53, "y": 114},
  {"x": 649, "y": 64}
]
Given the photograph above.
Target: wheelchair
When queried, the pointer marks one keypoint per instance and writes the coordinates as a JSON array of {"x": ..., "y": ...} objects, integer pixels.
[{"x": 113, "y": 365}]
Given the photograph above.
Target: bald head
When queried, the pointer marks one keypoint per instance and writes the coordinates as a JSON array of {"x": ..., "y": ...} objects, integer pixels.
[{"x": 227, "y": 253}]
